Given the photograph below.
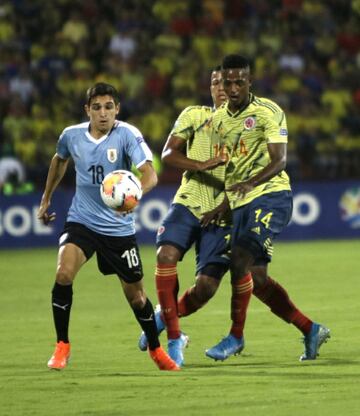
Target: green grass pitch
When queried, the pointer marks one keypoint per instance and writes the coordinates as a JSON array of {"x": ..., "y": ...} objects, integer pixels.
[{"x": 108, "y": 375}]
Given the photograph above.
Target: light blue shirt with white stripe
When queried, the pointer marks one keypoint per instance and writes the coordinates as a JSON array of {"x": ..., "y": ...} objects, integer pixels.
[{"x": 123, "y": 146}]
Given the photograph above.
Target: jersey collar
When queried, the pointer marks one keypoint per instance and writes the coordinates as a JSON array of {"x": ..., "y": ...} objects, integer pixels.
[
  {"x": 101, "y": 139},
  {"x": 238, "y": 112}
]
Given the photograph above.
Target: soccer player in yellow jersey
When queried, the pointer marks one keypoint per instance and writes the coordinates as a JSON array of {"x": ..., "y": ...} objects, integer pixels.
[
  {"x": 201, "y": 190},
  {"x": 253, "y": 133},
  {"x": 192, "y": 196}
]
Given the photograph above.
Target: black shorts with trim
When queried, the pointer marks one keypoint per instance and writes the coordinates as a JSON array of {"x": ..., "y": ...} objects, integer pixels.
[{"x": 115, "y": 255}]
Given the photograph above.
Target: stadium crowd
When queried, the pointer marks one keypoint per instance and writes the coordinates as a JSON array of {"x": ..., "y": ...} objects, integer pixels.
[{"x": 159, "y": 53}]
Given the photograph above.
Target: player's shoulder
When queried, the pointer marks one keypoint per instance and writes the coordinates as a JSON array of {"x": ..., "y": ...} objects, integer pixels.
[
  {"x": 266, "y": 105},
  {"x": 75, "y": 129},
  {"x": 126, "y": 129},
  {"x": 223, "y": 108},
  {"x": 197, "y": 110}
]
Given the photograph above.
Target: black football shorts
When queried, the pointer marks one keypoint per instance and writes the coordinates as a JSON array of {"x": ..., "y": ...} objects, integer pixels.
[{"x": 115, "y": 255}]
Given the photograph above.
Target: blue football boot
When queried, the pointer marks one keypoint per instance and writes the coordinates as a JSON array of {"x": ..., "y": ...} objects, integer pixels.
[
  {"x": 229, "y": 345},
  {"x": 176, "y": 348},
  {"x": 313, "y": 341},
  {"x": 143, "y": 342}
]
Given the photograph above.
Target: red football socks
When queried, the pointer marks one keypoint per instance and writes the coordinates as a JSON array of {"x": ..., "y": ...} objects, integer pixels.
[
  {"x": 277, "y": 299},
  {"x": 167, "y": 290},
  {"x": 188, "y": 303},
  {"x": 241, "y": 294}
]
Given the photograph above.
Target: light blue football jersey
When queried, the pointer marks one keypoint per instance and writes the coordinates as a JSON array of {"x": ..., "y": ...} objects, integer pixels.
[{"x": 123, "y": 146}]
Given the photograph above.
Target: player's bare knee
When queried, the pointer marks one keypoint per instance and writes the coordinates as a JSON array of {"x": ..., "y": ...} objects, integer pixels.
[
  {"x": 205, "y": 288},
  {"x": 259, "y": 276},
  {"x": 168, "y": 255},
  {"x": 138, "y": 301},
  {"x": 241, "y": 261},
  {"x": 64, "y": 276}
]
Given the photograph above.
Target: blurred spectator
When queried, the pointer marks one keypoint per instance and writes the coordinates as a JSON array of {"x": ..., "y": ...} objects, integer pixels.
[
  {"x": 123, "y": 44},
  {"x": 75, "y": 29},
  {"x": 22, "y": 85}
]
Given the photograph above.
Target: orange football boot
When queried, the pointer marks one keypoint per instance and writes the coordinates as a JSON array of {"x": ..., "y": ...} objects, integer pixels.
[
  {"x": 162, "y": 360},
  {"x": 60, "y": 357}
]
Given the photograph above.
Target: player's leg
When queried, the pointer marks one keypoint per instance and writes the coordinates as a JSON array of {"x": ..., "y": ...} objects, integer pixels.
[
  {"x": 175, "y": 236},
  {"x": 241, "y": 283},
  {"x": 272, "y": 294},
  {"x": 70, "y": 259},
  {"x": 120, "y": 255},
  {"x": 198, "y": 295},
  {"x": 144, "y": 314},
  {"x": 277, "y": 299},
  {"x": 273, "y": 214},
  {"x": 167, "y": 286},
  {"x": 212, "y": 262}
]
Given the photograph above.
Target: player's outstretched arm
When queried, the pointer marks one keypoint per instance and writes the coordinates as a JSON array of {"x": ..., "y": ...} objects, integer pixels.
[
  {"x": 56, "y": 172},
  {"x": 148, "y": 178},
  {"x": 173, "y": 155}
]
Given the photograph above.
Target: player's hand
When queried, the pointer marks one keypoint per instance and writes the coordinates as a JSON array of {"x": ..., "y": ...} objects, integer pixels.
[
  {"x": 213, "y": 162},
  {"x": 43, "y": 214},
  {"x": 241, "y": 188},
  {"x": 216, "y": 215}
]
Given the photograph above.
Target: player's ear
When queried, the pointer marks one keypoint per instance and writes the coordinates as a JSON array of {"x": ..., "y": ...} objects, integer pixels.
[
  {"x": 87, "y": 109},
  {"x": 117, "y": 109}
]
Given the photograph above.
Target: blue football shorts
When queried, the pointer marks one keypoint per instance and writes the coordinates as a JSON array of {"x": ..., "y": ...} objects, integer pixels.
[
  {"x": 115, "y": 255},
  {"x": 182, "y": 229},
  {"x": 257, "y": 224}
]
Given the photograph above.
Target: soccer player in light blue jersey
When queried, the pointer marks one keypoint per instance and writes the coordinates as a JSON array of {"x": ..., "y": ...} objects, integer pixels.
[{"x": 98, "y": 147}]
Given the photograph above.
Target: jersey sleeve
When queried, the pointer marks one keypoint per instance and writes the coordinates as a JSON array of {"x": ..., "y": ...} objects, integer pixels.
[
  {"x": 137, "y": 148},
  {"x": 184, "y": 125},
  {"x": 62, "y": 147},
  {"x": 276, "y": 127}
]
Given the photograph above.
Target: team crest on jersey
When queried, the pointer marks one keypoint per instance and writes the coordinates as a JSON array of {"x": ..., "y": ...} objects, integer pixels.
[
  {"x": 112, "y": 155},
  {"x": 249, "y": 123},
  {"x": 161, "y": 229}
]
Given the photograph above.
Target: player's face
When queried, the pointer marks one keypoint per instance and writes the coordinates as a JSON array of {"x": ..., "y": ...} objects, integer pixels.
[
  {"x": 217, "y": 89},
  {"x": 236, "y": 86},
  {"x": 102, "y": 112}
]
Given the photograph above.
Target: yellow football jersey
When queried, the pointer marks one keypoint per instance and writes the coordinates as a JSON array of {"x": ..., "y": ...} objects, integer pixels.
[
  {"x": 199, "y": 191},
  {"x": 245, "y": 135}
]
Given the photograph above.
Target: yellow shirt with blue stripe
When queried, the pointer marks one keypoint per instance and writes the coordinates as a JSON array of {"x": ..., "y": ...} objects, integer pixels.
[
  {"x": 245, "y": 135},
  {"x": 199, "y": 191}
]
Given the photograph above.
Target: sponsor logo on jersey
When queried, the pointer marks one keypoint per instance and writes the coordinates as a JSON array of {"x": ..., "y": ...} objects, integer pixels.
[
  {"x": 350, "y": 207},
  {"x": 112, "y": 155},
  {"x": 283, "y": 132},
  {"x": 249, "y": 123}
]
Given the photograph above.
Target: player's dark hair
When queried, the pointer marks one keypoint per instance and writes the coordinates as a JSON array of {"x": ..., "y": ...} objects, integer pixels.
[
  {"x": 235, "y": 61},
  {"x": 101, "y": 88},
  {"x": 216, "y": 68}
]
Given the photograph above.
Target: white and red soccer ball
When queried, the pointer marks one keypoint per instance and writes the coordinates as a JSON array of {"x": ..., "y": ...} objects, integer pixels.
[{"x": 121, "y": 190}]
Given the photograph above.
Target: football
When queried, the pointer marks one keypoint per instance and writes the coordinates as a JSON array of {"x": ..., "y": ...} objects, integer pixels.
[{"x": 121, "y": 190}]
